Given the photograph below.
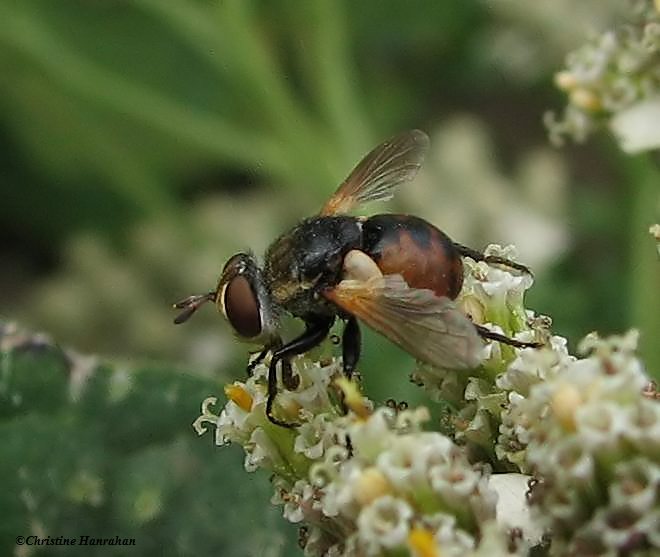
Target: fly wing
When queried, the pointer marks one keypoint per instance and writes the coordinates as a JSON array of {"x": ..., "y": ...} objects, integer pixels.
[
  {"x": 425, "y": 325},
  {"x": 393, "y": 162}
]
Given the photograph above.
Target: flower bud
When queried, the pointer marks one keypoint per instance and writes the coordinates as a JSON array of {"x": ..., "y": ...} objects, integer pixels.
[
  {"x": 585, "y": 99},
  {"x": 471, "y": 306},
  {"x": 237, "y": 394},
  {"x": 565, "y": 80},
  {"x": 353, "y": 398},
  {"x": 371, "y": 485},
  {"x": 565, "y": 401},
  {"x": 422, "y": 543}
]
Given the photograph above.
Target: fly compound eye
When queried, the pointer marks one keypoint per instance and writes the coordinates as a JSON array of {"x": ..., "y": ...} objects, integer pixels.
[{"x": 241, "y": 307}]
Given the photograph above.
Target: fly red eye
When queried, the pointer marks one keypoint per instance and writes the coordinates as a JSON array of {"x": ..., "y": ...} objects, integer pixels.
[{"x": 241, "y": 307}]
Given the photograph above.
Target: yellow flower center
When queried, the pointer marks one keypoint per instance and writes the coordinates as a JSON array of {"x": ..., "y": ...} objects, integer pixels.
[
  {"x": 565, "y": 81},
  {"x": 371, "y": 485},
  {"x": 585, "y": 99},
  {"x": 353, "y": 398},
  {"x": 565, "y": 402},
  {"x": 422, "y": 543},
  {"x": 237, "y": 394}
]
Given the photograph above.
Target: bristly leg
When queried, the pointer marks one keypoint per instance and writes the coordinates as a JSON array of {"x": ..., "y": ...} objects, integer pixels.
[
  {"x": 351, "y": 345},
  {"x": 492, "y": 335},
  {"x": 289, "y": 379},
  {"x": 272, "y": 393},
  {"x": 254, "y": 363},
  {"x": 491, "y": 259},
  {"x": 313, "y": 335}
]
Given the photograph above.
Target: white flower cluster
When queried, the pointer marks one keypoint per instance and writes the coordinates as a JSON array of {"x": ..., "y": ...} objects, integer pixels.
[
  {"x": 365, "y": 483},
  {"x": 493, "y": 297},
  {"x": 614, "y": 79},
  {"x": 402, "y": 488},
  {"x": 368, "y": 482},
  {"x": 531, "y": 367},
  {"x": 655, "y": 232},
  {"x": 287, "y": 452},
  {"x": 589, "y": 429}
]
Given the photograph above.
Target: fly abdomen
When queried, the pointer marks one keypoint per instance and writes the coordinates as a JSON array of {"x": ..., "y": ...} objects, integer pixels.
[{"x": 417, "y": 250}]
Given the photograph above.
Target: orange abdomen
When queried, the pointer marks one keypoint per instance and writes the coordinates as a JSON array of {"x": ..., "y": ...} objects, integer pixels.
[{"x": 415, "y": 249}]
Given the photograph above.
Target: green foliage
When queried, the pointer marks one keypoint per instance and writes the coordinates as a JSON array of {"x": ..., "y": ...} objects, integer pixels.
[
  {"x": 106, "y": 449},
  {"x": 115, "y": 115},
  {"x": 143, "y": 142}
]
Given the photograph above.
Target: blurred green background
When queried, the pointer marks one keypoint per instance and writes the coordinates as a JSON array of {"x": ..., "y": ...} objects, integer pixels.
[{"x": 142, "y": 142}]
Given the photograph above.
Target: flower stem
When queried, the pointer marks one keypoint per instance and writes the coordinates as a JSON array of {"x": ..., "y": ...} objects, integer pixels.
[{"x": 644, "y": 278}]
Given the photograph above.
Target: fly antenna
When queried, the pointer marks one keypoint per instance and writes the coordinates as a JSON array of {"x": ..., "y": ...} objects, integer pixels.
[{"x": 190, "y": 305}]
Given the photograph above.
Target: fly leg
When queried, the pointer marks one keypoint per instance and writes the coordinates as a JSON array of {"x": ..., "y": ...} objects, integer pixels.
[
  {"x": 492, "y": 335},
  {"x": 289, "y": 379},
  {"x": 314, "y": 333},
  {"x": 497, "y": 260},
  {"x": 491, "y": 259},
  {"x": 350, "y": 345},
  {"x": 254, "y": 363}
]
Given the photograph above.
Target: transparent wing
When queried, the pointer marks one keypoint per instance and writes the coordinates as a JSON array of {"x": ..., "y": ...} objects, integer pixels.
[
  {"x": 423, "y": 324},
  {"x": 393, "y": 162}
]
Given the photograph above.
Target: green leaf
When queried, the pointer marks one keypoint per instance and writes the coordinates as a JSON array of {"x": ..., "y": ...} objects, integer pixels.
[{"x": 104, "y": 450}]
